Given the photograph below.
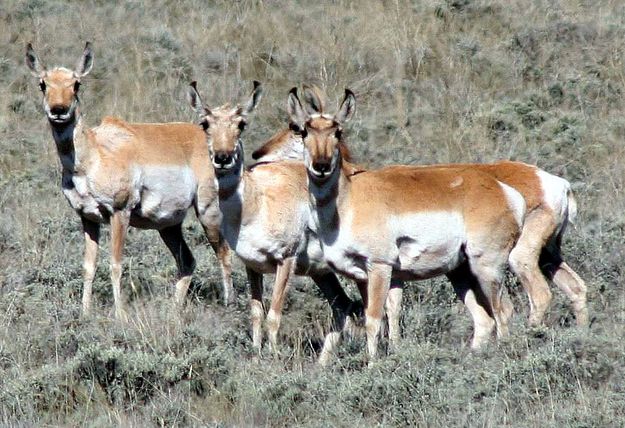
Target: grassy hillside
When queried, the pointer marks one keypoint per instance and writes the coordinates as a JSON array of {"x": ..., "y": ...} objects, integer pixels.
[{"x": 436, "y": 81}]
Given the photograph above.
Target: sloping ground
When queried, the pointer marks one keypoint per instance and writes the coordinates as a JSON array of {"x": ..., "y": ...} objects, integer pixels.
[{"x": 436, "y": 81}]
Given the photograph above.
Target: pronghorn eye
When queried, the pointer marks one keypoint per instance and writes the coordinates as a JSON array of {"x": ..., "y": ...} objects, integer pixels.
[
  {"x": 42, "y": 86},
  {"x": 76, "y": 86},
  {"x": 299, "y": 131},
  {"x": 242, "y": 125},
  {"x": 337, "y": 134},
  {"x": 204, "y": 124}
]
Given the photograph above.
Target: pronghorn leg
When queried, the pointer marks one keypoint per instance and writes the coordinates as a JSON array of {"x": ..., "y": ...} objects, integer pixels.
[
  {"x": 341, "y": 305},
  {"x": 119, "y": 228},
  {"x": 91, "y": 231},
  {"x": 362, "y": 290},
  {"x": 284, "y": 271},
  {"x": 173, "y": 238},
  {"x": 393, "y": 311},
  {"x": 469, "y": 292},
  {"x": 359, "y": 321},
  {"x": 567, "y": 280},
  {"x": 224, "y": 256},
  {"x": 523, "y": 259},
  {"x": 379, "y": 278},
  {"x": 257, "y": 311},
  {"x": 488, "y": 269}
]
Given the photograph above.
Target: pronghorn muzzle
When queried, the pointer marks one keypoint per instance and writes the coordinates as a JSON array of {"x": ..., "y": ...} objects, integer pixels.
[
  {"x": 321, "y": 167},
  {"x": 226, "y": 160},
  {"x": 60, "y": 113}
]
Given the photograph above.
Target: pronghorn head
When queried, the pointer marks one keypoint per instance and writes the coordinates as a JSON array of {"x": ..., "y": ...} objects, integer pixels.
[
  {"x": 321, "y": 132},
  {"x": 223, "y": 126},
  {"x": 60, "y": 85}
]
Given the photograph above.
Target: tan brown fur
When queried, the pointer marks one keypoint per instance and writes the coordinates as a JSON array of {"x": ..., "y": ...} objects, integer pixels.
[
  {"x": 265, "y": 217},
  {"x": 537, "y": 254},
  {"x": 539, "y": 238},
  {"x": 273, "y": 144},
  {"x": 409, "y": 222},
  {"x": 144, "y": 175}
]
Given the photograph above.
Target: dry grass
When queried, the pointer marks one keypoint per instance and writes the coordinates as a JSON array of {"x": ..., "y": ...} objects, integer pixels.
[{"x": 436, "y": 81}]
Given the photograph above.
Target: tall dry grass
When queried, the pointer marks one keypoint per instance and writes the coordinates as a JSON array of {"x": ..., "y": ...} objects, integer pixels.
[{"x": 436, "y": 81}]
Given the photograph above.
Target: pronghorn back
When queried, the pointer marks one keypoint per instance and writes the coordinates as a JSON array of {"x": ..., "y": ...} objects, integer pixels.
[
  {"x": 151, "y": 143},
  {"x": 402, "y": 208}
]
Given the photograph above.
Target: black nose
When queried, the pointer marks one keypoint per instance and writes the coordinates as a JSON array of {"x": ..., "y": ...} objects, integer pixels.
[
  {"x": 223, "y": 158},
  {"x": 59, "y": 110},
  {"x": 321, "y": 166}
]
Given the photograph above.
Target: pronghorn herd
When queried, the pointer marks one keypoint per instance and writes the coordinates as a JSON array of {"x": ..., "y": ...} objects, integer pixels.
[{"x": 305, "y": 209}]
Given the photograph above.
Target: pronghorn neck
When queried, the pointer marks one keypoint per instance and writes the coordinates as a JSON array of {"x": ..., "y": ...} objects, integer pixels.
[
  {"x": 70, "y": 142},
  {"x": 324, "y": 197},
  {"x": 229, "y": 182}
]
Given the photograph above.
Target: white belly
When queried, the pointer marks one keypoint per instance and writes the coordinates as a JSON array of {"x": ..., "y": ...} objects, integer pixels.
[
  {"x": 259, "y": 240},
  {"x": 165, "y": 195},
  {"x": 258, "y": 249},
  {"x": 417, "y": 246}
]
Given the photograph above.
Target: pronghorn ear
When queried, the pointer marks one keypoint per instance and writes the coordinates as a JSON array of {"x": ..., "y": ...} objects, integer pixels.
[
  {"x": 195, "y": 100},
  {"x": 32, "y": 61},
  {"x": 313, "y": 101},
  {"x": 348, "y": 106},
  {"x": 297, "y": 115},
  {"x": 257, "y": 94},
  {"x": 84, "y": 64}
]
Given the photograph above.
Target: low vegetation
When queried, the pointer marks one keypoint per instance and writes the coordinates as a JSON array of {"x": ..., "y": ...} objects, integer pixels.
[{"x": 436, "y": 81}]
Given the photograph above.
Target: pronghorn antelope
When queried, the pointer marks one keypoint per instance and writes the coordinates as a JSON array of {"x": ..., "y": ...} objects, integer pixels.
[
  {"x": 137, "y": 174},
  {"x": 407, "y": 223},
  {"x": 264, "y": 216},
  {"x": 537, "y": 254}
]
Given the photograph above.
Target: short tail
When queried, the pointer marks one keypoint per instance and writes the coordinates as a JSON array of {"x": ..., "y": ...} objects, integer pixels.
[{"x": 572, "y": 207}]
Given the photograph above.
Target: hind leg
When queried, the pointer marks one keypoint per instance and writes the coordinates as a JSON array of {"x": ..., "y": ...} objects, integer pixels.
[
  {"x": 567, "y": 280},
  {"x": 470, "y": 293},
  {"x": 488, "y": 269},
  {"x": 393, "y": 311},
  {"x": 523, "y": 260},
  {"x": 173, "y": 238}
]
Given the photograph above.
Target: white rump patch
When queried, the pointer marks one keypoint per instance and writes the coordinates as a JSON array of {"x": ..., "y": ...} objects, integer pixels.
[
  {"x": 555, "y": 194},
  {"x": 515, "y": 202}
]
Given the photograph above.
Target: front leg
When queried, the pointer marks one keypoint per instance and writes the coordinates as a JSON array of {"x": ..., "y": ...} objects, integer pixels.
[
  {"x": 119, "y": 228},
  {"x": 379, "y": 279},
  {"x": 257, "y": 311},
  {"x": 342, "y": 307},
  {"x": 207, "y": 211},
  {"x": 284, "y": 271},
  {"x": 91, "y": 231}
]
